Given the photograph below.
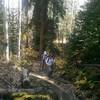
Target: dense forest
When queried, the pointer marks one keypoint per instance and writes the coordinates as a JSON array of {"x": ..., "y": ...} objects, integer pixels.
[{"x": 70, "y": 35}]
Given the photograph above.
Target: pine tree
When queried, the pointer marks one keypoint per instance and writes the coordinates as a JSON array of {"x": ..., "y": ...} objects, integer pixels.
[{"x": 85, "y": 41}]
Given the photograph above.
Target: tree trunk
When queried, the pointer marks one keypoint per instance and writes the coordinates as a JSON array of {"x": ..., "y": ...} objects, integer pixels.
[
  {"x": 43, "y": 20},
  {"x": 27, "y": 38},
  {"x": 19, "y": 38},
  {"x": 6, "y": 29},
  {"x": 42, "y": 37}
]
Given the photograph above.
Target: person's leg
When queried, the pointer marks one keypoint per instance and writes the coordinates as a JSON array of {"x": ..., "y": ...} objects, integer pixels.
[
  {"x": 50, "y": 71},
  {"x": 41, "y": 65},
  {"x": 45, "y": 68}
]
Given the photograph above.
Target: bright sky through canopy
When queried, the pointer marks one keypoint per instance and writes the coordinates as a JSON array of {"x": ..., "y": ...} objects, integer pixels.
[
  {"x": 81, "y": 2},
  {"x": 13, "y": 3}
]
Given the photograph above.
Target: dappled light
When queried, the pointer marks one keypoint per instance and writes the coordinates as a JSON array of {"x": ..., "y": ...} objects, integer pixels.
[{"x": 49, "y": 49}]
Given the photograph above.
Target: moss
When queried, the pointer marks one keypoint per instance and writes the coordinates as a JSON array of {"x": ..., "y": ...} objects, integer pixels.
[{"x": 27, "y": 96}]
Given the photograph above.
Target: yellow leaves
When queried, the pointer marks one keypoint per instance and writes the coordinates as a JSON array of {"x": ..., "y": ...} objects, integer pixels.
[
  {"x": 29, "y": 54},
  {"x": 59, "y": 62},
  {"x": 25, "y": 36},
  {"x": 26, "y": 96},
  {"x": 29, "y": 51},
  {"x": 81, "y": 82}
]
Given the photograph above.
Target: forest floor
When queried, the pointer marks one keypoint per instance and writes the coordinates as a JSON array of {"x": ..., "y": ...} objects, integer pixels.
[{"x": 10, "y": 77}]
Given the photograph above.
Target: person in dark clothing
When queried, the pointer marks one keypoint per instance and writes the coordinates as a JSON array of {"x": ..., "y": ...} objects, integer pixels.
[{"x": 49, "y": 64}]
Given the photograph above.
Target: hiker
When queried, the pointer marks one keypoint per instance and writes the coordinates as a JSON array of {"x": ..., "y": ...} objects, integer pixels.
[
  {"x": 44, "y": 56},
  {"x": 49, "y": 64}
]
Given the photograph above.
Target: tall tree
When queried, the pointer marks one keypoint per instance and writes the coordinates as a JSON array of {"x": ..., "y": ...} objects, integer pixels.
[
  {"x": 43, "y": 23},
  {"x": 19, "y": 38},
  {"x": 26, "y": 6},
  {"x": 1, "y": 29},
  {"x": 6, "y": 28},
  {"x": 41, "y": 17}
]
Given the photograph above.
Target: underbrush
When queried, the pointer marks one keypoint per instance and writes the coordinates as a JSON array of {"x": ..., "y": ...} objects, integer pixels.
[
  {"x": 59, "y": 66},
  {"x": 88, "y": 83},
  {"x": 28, "y": 56},
  {"x": 86, "y": 80}
]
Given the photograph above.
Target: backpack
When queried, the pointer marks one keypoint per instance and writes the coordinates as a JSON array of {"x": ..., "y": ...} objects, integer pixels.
[{"x": 47, "y": 60}]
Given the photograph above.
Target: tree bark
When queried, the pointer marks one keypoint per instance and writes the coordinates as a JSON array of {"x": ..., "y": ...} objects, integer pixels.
[
  {"x": 27, "y": 34},
  {"x": 6, "y": 29},
  {"x": 19, "y": 38},
  {"x": 43, "y": 21}
]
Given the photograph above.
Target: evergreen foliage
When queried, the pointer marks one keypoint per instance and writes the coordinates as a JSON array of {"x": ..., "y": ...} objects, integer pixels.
[{"x": 84, "y": 43}]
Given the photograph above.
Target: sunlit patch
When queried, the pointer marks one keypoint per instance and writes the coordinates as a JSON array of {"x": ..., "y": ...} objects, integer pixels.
[{"x": 12, "y": 3}]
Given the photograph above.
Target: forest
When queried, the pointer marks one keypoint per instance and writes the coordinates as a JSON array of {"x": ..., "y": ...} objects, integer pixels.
[{"x": 49, "y": 50}]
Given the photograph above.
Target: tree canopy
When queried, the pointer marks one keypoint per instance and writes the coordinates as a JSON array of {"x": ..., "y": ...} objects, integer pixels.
[
  {"x": 85, "y": 41},
  {"x": 45, "y": 18}
]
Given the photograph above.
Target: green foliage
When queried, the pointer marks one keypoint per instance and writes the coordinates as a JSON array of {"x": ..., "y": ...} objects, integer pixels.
[
  {"x": 86, "y": 80},
  {"x": 27, "y": 96},
  {"x": 88, "y": 84},
  {"x": 84, "y": 43},
  {"x": 84, "y": 47}
]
